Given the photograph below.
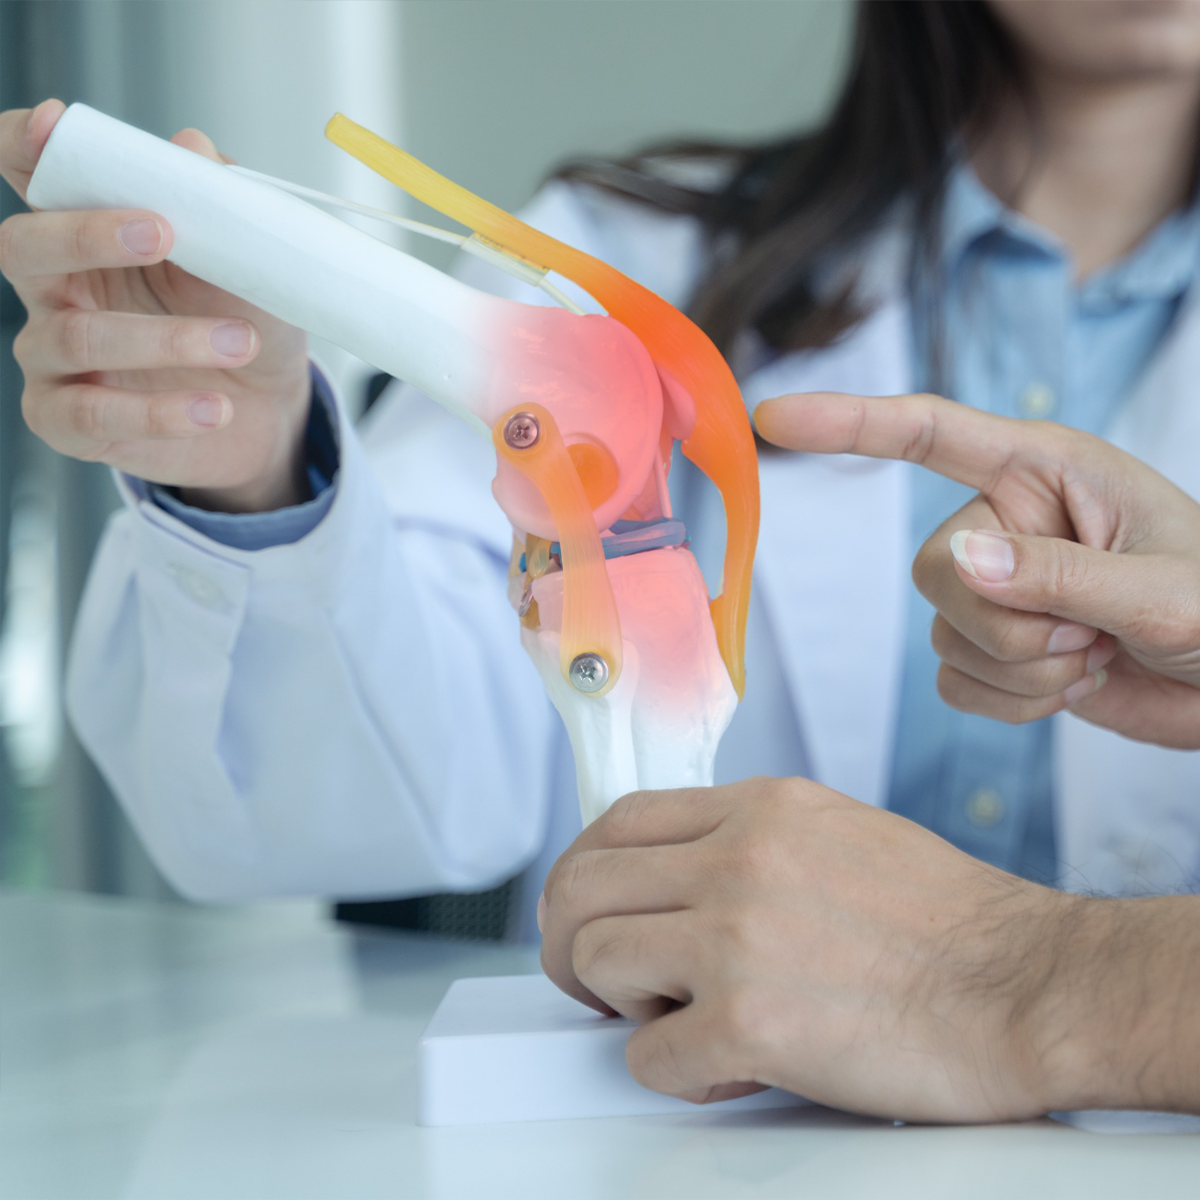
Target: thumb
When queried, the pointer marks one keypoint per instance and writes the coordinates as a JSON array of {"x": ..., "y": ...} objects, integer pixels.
[
  {"x": 1107, "y": 590},
  {"x": 24, "y": 133}
]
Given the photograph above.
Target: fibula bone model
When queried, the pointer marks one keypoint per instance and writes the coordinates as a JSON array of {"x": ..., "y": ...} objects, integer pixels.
[{"x": 584, "y": 412}]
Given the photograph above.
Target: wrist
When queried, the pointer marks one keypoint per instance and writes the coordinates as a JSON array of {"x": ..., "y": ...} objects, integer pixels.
[
  {"x": 283, "y": 487},
  {"x": 1115, "y": 1024}
]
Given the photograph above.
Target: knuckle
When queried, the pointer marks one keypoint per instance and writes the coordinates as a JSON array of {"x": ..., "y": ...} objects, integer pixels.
[
  {"x": 953, "y": 687},
  {"x": 1027, "y": 709},
  {"x": 594, "y": 945},
  {"x": 926, "y": 565},
  {"x": 940, "y": 636},
  {"x": 922, "y": 439},
  {"x": 623, "y": 818},
  {"x": 78, "y": 337},
  {"x": 32, "y": 413},
  {"x": 1177, "y": 633},
  {"x": 157, "y": 418},
  {"x": 82, "y": 242},
  {"x": 640, "y": 1052},
  {"x": 753, "y": 854},
  {"x": 741, "y": 1028},
  {"x": 1047, "y": 678},
  {"x": 968, "y": 695},
  {"x": 1005, "y": 640},
  {"x": 1064, "y": 570},
  {"x": 771, "y": 798},
  {"x": 1020, "y": 710},
  {"x": 1189, "y": 623},
  {"x": 22, "y": 345},
  {"x": 9, "y": 233},
  {"x": 572, "y": 882},
  {"x": 1187, "y": 604},
  {"x": 86, "y": 415},
  {"x": 741, "y": 1014},
  {"x": 971, "y": 696},
  {"x": 1159, "y": 627},
  {"x": 737, "y": 932},
  {"x": 652, "y": 1061},
  {"x": 1171, "y": 623},
  {"x": 176, "y": 342}
]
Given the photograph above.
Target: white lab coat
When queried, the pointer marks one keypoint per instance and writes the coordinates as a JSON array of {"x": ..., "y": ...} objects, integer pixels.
[{"x": 353, "y": 714}]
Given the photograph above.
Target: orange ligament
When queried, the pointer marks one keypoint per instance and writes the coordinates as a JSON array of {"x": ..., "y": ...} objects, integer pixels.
[
  {"x": 722, "y": 442},
  {"x": 590, "y": 622}
]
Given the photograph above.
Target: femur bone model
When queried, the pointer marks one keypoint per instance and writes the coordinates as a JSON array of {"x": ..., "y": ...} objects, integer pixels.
[{"x": 583, "y": 410}]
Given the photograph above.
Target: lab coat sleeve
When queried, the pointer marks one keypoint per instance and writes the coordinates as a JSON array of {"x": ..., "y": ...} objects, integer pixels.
[{"x": 349, "y": 714}]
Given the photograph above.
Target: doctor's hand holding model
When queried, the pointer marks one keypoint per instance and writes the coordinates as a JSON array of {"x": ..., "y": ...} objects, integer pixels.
[
  {"x": 295, "y": 661},
  {"x": 774, "y": 932}
]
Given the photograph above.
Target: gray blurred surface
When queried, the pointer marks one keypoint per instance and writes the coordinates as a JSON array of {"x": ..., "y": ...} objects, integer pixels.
[
  {"x": 497, "y": 94},
  {"x": 75, "y": 835},
  {"x": 151, "y": 1051}
]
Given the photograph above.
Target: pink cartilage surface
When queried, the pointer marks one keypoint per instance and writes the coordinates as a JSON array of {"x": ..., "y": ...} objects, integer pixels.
[{"x": 644, "y": 669}]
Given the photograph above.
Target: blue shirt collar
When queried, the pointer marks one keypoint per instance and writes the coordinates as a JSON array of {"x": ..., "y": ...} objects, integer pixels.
[{"x": 1161, "y": 266}]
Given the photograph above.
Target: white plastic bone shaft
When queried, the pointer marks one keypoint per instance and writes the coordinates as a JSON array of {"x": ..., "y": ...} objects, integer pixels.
[{"x": 284, "y": 255}]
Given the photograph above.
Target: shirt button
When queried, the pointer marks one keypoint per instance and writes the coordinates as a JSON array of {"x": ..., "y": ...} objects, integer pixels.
[
  {"x": 197, "y": 586},
  {"x": 1037, "y": 401},
  {"x": 985, "y": 808}
]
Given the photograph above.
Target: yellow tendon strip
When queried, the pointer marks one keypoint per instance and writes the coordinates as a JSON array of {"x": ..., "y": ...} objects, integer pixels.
[
  {"x": 590, "y": 622},
  {"x": 722, "y": 443}
]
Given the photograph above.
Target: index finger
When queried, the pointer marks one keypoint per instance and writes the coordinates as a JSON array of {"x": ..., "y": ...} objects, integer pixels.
[
  {"x": 23, "y": 136},
  {"x": 661, "y": 818},
  {"x": 956, "y": 441}
]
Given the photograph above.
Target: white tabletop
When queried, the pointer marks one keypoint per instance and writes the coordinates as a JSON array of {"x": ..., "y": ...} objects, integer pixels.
[{"x": 168, "y": 1053}]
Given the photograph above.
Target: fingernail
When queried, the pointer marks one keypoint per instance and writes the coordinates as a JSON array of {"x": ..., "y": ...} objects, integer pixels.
[
  {"x": 233, "y": 340},
  {"x": 1085, "y": 687},
  {"x": 1070, "y": 636},
  {"x": 541, "y": 913},
  {"x": 984, "y": 556},
  {"x": 208, "y": 411},
  {"x": 141, "y": 237}
]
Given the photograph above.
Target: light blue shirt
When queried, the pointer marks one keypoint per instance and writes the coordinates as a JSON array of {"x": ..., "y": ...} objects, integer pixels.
[{"x": 1021, "y": 338}]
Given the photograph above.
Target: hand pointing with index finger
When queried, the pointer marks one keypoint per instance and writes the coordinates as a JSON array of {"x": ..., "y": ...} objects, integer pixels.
[{"x": 1071, "y": 580}]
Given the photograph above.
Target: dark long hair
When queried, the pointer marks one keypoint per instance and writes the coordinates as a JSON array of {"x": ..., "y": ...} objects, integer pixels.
[{"x": 925, "y": 74}]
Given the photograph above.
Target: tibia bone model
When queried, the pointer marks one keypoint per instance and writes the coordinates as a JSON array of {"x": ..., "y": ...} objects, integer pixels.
[{"x": 584, "y": 413}]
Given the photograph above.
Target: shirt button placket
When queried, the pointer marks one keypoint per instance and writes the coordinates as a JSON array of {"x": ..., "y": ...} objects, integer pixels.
[{"x": 199, "y": 587}]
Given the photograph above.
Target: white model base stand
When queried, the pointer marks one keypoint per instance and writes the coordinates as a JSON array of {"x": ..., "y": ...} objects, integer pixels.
[{"x": 515, "y": 1048}]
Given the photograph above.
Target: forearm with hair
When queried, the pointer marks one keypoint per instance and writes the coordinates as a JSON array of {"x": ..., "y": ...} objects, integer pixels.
[{"x": 1117, "y": 1021}]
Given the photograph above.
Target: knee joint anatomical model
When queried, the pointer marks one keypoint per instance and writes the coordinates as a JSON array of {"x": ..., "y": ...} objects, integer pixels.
[{"x": 583, "y": 410}]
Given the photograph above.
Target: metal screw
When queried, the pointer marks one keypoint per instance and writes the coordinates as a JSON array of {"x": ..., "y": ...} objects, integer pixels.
[
  {"x": 589, "y": 672},
  {"x": 522, "y": 431}
]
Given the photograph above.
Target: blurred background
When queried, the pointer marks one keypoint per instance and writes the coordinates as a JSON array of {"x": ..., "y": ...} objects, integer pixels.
[{"x": 493, "y": 93}]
